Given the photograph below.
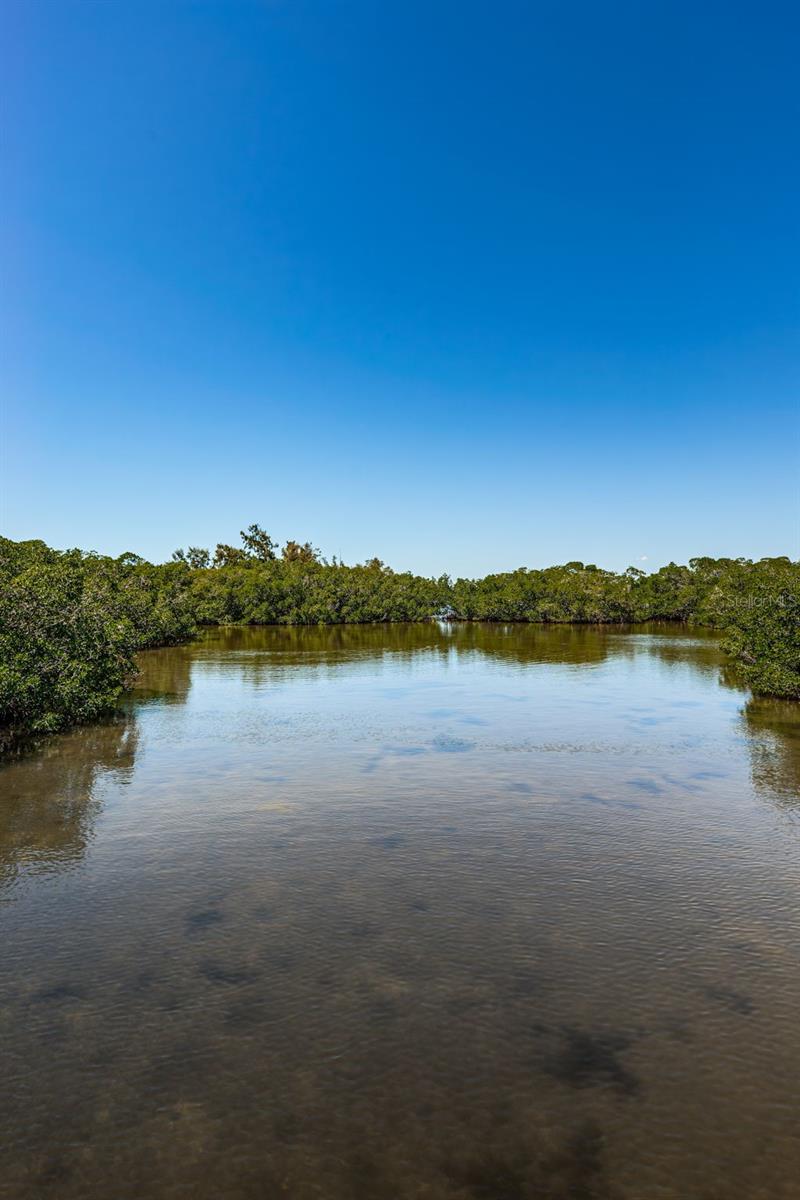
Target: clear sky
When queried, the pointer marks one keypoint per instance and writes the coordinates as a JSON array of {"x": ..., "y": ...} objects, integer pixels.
[{"x": 466, "y": 286}]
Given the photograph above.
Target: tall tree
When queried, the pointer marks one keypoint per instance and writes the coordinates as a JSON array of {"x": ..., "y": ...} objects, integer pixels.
[{"x": 258, "y": 543}]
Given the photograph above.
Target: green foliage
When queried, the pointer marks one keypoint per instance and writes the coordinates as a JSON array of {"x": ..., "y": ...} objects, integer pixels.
[
  {"x": 71, "y": 623},
  {"x": 572, "y": 593},
  {"x": 64, "y": 653},
  {"x": 196, "y": 557},
  {"x": 258, "y": 543},
  {"x": 228, "y": 556},
  {"x": 295, "y": 552},
  {"x": 762, "y": 624},
  {"x": 304, "y": 591}
]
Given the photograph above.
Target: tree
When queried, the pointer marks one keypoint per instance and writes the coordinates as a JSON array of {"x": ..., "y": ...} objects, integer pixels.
[
  {"x": 295, "y": 552},
  {"x": 198, "y": 558},
  {"x": 195, "y": 557},
  {"x": 229, "y": 556},
  {"x": 762, "y": 624},
  {"x": 258, "y": 543},
  {"x": 66, "y": 647}
]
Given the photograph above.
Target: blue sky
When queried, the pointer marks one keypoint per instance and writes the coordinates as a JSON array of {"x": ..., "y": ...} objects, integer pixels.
[{"x": 467, "y": 286}]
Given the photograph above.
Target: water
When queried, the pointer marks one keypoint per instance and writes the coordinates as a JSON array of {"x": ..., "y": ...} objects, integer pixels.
[{"x": 478, "y": 913}]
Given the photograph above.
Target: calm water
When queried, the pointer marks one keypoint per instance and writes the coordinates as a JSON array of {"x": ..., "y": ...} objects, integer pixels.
[{"x": 479, "y": 913}]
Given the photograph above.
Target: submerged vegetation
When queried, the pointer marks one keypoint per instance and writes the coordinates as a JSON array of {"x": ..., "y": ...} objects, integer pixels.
[{"x": 71, "y": 622}]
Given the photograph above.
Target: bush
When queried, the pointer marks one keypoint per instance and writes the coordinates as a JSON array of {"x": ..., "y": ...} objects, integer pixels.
[
  {"x": 762, "y": 629},
  {"x": 70, "y": 625}
]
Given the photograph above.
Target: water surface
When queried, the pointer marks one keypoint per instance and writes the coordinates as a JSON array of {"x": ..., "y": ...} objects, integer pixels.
[{"x": 470, "y": 913}]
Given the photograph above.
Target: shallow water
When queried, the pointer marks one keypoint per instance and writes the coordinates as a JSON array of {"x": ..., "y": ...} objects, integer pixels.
[{"x": 471, "y": 913}]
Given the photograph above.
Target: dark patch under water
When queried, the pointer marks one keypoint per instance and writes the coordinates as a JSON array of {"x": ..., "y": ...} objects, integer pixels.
[
  {"x": 282, "y": 930},
  {"x": 197, "y": 922},
  {"x": 572, "y": 1171},
  {"x": 730, "y": 998},
  {"x": 585, "y": 1059}
]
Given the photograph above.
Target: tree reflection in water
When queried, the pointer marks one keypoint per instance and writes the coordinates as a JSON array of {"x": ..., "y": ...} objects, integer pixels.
[
  {"x": 51, "y": 801},
  {"x": 772, "y": 730}
]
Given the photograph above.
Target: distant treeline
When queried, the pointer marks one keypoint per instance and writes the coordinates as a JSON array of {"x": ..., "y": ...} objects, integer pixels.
[{"x": 71, "y": 622}]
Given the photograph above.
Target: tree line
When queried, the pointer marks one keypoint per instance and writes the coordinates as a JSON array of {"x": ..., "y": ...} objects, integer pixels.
[{"x": 72, "y": 622}]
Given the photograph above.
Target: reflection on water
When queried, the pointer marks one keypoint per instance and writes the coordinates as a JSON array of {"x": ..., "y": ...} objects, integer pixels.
[
  {"x": 327, "y": 645},
  {"x": 772, "y": 730},
  {"x": 473, "y": 912},
  {"x": 165, "y": 675},
  {"x": 49, "y": 806}
]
